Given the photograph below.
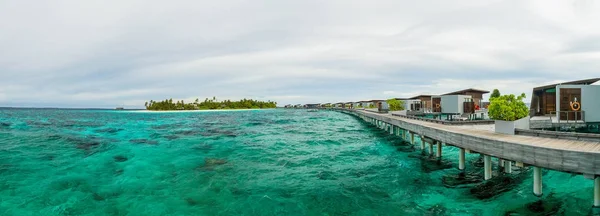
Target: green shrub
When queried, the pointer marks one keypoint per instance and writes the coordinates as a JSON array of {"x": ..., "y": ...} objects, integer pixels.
[
  {"x": 395, "y": 105},
  {"x": 508, "y": 108},
  {"x": 495, "y": 94}
]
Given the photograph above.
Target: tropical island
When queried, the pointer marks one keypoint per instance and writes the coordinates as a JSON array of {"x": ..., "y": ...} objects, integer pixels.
[{"x": 209, "y": 104}]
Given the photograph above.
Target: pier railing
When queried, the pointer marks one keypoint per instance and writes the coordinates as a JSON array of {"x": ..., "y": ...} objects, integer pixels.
[
  {"x": 577, "y": 117},
  {"x": 437, "y": 121},
  {"x": 559, "y": 135}
]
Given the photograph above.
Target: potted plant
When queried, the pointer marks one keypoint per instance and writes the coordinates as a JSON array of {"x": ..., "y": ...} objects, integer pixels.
[{"x": 509, "y": 113}]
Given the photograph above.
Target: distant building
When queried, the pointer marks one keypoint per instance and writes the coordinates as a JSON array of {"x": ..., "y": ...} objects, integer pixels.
[
  {"x": 382, "y": 105},
  {"x": 313, "y": 106},
  {"x": 365, "y": 104},
  {"x": 410, "y": 104},
  {"x": 349, "y": 105},
  {"x": 458, "y": 102},
  {"x": 476, "y": 94},
  {"x": 424, "y": 105}
]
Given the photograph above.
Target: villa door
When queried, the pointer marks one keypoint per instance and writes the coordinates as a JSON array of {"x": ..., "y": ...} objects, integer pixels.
[
  {"x": 570, "y": 104},
  {"x": 437, "y": 104},
  {"x": 549, "y": 103},
  {"x": 469, "y": 107}
]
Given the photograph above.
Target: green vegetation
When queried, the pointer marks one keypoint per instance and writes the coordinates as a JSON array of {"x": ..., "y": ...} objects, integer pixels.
[
  {"x": 508, "y": 108},
  {"x": 495, "y": 94},
  {"x": 209, "y": 104},
  {"x": 395, "y": 105}
]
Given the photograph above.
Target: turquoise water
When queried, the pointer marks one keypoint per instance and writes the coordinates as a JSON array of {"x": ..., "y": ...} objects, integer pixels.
[{"x": 267, "y": 162}]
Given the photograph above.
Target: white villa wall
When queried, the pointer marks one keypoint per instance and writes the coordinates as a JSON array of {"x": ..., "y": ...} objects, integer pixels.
[
  {"x": 385, "y": 105},
  {"x": 408, "y": 102},
  {"x": 590, "y": 100},
  {"x": 453, "y": 103}
]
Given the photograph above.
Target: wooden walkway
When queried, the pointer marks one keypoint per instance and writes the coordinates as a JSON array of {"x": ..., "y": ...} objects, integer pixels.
[
  {"x": 484, "y": 132},
  {"x": 577, "y": 156}
]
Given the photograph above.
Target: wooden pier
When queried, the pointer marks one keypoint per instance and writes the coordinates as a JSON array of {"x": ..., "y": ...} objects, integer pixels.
[{"x": 562, "y": 154}]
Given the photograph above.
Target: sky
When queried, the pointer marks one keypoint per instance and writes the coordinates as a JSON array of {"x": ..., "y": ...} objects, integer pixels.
[{"x": 103, "y": 54}]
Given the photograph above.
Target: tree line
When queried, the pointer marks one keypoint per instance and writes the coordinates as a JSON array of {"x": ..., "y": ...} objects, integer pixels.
[{"x": 209, "y": 104}]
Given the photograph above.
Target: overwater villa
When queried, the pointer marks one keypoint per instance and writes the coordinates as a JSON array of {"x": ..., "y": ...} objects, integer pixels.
[
  {"x": 325, "y": 105},
  {"x": 382, "y": 105},
  {"x": 348, "y": 105},
  {"x": 312, "y": 106},
  {"x": 575, "y": 103},
  {"x": 476, "y": 95},
  {"x": 410, "y": 104},
  {"x": 421, "y": 103},
  {"x": 365, "y": 104},
  {"x": 462, "y": 104},
  {"x": 457, "y": 104}
]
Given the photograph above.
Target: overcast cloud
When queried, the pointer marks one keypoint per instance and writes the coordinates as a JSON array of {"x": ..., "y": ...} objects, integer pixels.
[{"x": 108, "y": 53}]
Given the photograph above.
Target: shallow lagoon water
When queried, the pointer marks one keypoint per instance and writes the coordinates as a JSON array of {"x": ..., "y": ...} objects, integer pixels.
[{"x": 259, "y": 162}]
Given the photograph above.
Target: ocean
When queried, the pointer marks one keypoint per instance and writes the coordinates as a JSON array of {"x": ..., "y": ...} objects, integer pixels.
[{"x": 256, "y": 162}]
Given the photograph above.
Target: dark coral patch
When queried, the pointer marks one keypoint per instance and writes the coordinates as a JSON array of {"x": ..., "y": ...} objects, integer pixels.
[
  {"x": 120, "y": 158},
  {"x": 144, "y": 141},
  {"x": 109, "y": 130}
]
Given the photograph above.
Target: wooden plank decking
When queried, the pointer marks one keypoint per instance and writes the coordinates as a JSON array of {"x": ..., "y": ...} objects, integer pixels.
[
  {"x": 577, "y": 156},
  {"x": 560, "y": 144}
]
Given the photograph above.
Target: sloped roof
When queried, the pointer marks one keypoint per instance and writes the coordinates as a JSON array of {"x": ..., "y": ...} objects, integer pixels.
[
  {"x": 467, "y": 90},
  {"x": 578, "y": 82},
  {"x": 406, "y": 99},
  {"x": 418, "y": 96}
]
